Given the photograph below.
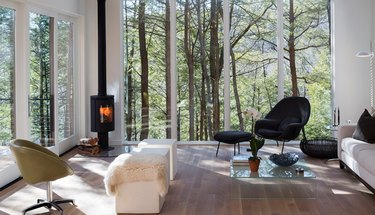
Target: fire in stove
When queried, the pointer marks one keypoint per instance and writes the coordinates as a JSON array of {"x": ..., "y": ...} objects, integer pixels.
[{"x": 105, "y": 114}]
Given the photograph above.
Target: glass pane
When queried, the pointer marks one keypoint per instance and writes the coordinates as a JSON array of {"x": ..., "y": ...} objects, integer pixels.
[
  {"x": 7, "y": 65},
  {"x": 254, "y": 60},
  {"x": 145, "y": 69},
  {"x": 308, "y": 73},
  {"x": 200, "y": 69},
  {"x": 65, "y": 104},
  {"x": 41, "y": 66}
]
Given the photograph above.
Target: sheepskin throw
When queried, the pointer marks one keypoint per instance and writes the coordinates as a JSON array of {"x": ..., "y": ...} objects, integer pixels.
[{"x": 134, "y": 168}]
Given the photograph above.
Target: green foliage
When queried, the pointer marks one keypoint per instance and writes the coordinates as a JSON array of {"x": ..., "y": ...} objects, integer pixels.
[{"x": 255, "y": 145}]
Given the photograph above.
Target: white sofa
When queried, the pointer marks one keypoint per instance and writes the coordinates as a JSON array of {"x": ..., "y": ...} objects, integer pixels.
[{"x": 357, "y": 155}]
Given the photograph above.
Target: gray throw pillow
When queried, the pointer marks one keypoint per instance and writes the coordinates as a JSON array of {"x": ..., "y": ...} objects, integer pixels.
[{"x": 365, "y": 129}]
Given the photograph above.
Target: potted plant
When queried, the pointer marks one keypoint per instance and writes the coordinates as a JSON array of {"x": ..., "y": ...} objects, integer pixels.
[
  {"x": 254, "y": 160},
  {"x": 255, "y": 143}
]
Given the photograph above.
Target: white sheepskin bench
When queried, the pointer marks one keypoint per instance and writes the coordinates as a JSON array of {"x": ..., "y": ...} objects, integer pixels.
[{"x": 139, "y": 182}]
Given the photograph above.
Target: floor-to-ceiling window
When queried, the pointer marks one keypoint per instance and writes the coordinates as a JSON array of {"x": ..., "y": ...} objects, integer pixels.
[
  {"x": 65, "y": 79},
  {"x": 145, "y": 36},
  {"x": 254, "y": 70},
  {"x": 7, "y": 83},
  {"x": 41, "y": 109},
  {"x": 308, "y": 59},
  {"x": 199, "y": 68}
]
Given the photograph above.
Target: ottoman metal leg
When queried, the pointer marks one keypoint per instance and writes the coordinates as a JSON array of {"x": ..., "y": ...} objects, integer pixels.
[{"x": 217, "y": 150}]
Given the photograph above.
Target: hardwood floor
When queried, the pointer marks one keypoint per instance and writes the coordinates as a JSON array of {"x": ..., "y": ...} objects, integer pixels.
[{"x": 203, "y": 187}]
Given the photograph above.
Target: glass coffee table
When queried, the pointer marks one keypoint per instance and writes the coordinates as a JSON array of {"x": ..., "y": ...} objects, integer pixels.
[
  {"x": 272, "y": 181},
  {"x": 267, "y": 169}
]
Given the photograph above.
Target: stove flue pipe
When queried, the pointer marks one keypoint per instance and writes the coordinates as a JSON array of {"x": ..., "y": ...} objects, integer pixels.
[{"x": 102, "y": 61}]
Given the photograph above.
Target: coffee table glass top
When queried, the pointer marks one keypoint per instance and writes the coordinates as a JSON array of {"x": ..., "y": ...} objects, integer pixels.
[{"x": 267, "y": 169}]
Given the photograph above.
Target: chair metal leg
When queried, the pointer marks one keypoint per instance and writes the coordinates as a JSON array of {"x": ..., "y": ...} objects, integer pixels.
[
  {"x": 42, "y": 204},
  {"x": 282, "y": 148},
  {"x": 50, "y": 202},
  {"x": 56, "y": 206},
  {"x": 63, "y": 201},
  {"x": 49, "y": 191},
  {"x": 217, "y": 150},
  {"x": 277, "y": 143}
]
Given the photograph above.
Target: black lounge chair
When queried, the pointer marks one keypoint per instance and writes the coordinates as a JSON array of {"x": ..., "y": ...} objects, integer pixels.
[{"x": 285, "y": 120}]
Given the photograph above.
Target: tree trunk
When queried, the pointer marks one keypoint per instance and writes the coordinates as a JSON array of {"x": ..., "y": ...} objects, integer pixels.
[
  {"x": 292, "y": 52},
  {"x": 235, "y": 91},
  {"x": 214, "y": 65},
  {"x": 144, "y": 68},
  {"x": 205, "y": 119},
  {"x": 130, "y": 91},
  {"x": 190, "y": 64},
  {"x": 168, "y": 69}
]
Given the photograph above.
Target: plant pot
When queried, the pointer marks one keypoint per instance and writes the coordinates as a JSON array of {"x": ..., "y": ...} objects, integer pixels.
[{"x": 254, "y": 165}]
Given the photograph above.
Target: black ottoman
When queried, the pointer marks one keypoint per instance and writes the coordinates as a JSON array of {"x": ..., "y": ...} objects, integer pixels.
[{"x": 232, "y": 137}]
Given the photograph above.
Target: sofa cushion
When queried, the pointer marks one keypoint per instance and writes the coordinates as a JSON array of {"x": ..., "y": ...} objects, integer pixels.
[
  {"x": 353, "y": 147},
  {"x": 365, "y": 129}
]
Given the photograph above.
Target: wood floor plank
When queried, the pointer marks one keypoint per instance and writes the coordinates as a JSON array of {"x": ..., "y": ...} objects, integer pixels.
[{"x": 203, "y": 187}]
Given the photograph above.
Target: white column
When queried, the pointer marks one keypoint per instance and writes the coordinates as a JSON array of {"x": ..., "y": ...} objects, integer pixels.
[
  {"x": 226, "y": 66},
  {"x": 22, "y": 72},
  {"x": 173, "y": 71},
  {"x": 280, "y": 49},
  {"x": 115, "y": 66}
]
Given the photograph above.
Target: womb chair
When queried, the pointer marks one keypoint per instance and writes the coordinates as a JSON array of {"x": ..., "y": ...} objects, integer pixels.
[
  {"x": 285, "y": 120},
  {"x": 38, "y": 164}
]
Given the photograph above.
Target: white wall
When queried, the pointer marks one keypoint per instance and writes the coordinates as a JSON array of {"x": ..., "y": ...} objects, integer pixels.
[
  {"x": 64, "y": 6},
  {"x": 352, "y": 33},
  {"x": 115, "y": 85},
  {"x": 68, "y": 7}
]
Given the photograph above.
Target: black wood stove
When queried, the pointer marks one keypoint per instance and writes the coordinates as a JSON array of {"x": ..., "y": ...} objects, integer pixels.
[{"x": 102, "y": 105}]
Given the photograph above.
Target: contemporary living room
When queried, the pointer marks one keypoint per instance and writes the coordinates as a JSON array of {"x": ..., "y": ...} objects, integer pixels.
[{"x": 161, "y": 107}]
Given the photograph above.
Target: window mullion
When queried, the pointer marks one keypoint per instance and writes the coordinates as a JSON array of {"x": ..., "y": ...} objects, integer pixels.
[
  {"x": 173, "y": 70},
  {"x": 280, "y": 49},
  {"x": 226, "y": 65}
]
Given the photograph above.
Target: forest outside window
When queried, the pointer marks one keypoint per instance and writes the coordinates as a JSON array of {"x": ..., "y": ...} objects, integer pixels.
[
  {"x": 7, "y": 83},
  {"x": 65, "y": 79},
  {"x": 253, "y": 68},
  {"x": 41, "y": 109}
]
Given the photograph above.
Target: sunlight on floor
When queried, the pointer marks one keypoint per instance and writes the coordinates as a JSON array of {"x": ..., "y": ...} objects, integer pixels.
[{"x": 340, "y": 192}]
